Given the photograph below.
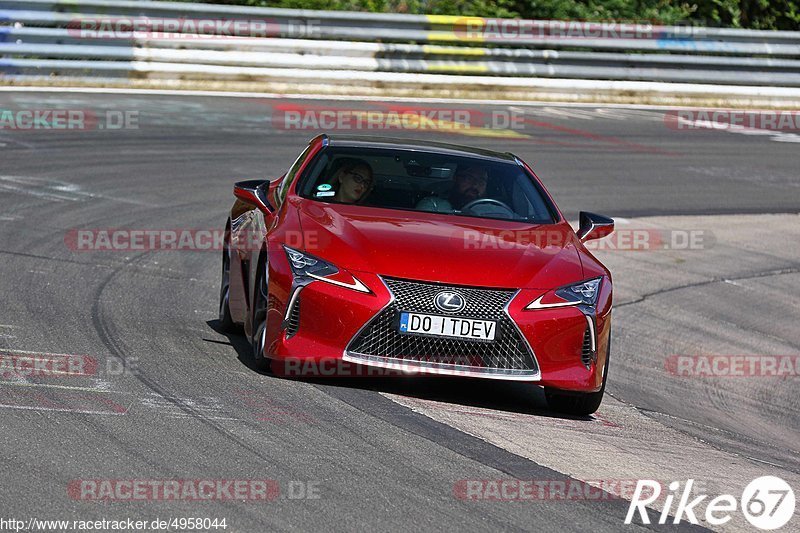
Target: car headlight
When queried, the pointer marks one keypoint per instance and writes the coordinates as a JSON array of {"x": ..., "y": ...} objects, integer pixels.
[
  {"x": 583, "y": 293},
  {"x": 304, "y": 265},
  {"x": 307, "y": 267}
]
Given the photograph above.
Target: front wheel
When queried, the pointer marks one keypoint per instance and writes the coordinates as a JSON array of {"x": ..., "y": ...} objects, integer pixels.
[
  {"x": 258, "y": 339},
  {"x": 226, "y": 323},
  {"x": 577, "y": 403}
]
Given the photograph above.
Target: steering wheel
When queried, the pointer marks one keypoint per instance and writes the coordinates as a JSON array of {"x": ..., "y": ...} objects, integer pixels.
[{"x": 489, "y": 201}]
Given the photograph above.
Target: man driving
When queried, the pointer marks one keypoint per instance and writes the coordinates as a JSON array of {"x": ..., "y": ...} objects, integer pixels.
[{"x": 469, "y": 184}]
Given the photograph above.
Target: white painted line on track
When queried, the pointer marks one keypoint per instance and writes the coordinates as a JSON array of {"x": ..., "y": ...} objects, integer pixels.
[
  {"x": 102, "y": 385},
  {"x": 59, "y": 410},
  {"x": 206, "y": 408},
  {"x": 348, "y": 98},
  {"x": 10, "y": 351},
  {"x": 36, "y": 193},
  {"x": 57, "y": 190},
  {"x": 17, "y": 379},
  {"x": 59, "y": 387}
]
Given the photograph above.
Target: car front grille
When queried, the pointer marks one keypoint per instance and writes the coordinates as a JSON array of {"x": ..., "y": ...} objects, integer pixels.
[{"x": 509, "y": 355}]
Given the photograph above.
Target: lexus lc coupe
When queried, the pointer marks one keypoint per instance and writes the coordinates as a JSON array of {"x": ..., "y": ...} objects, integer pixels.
[{"x": 424, "y": 257}]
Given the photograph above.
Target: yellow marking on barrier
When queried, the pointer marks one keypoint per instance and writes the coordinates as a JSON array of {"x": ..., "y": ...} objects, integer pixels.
[
  {"x": 462, "y": 29},
  {"x": 494, "y": 133},
  {"x": 445, "y": 19},
  {"x": 441, "y": 36},
  {"x": 453, "y": 51},
  {"x": 460, "y": 68},
  {"x": 455, "y": 37}
]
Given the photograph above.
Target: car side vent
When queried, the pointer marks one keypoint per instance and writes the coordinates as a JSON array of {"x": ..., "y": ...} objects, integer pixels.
[
  {"x": 587, "y": 355},
  {"x": 293, "y": 324}
]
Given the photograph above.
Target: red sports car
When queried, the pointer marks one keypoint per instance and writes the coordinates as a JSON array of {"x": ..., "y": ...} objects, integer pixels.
[{"x": 422, "y": 257}]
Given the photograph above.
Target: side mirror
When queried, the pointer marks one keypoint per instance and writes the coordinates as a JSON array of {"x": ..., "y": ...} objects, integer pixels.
[
  {"x": 272, "y": 190},
  {"x": 252, "y": 192},
  {"x": 594, "y": 226}
]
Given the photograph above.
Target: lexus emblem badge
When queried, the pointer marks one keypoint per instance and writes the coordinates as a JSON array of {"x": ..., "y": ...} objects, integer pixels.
[{"x": 449, "y": 302}]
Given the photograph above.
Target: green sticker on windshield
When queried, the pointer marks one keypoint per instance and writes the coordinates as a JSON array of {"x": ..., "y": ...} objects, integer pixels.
[{"x": 324, "y": 187}]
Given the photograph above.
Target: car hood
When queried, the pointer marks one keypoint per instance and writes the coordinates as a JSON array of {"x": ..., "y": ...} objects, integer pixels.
[{"x": 441, "y": 248}]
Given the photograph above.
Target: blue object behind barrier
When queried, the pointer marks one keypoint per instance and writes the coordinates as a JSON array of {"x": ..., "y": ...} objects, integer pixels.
[
  {"x": 7, "y": 67},
  {"x": 693, "y": 45}
]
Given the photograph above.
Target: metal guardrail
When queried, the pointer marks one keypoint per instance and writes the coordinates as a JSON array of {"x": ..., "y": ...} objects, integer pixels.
[{"x": 67, "y": 38}]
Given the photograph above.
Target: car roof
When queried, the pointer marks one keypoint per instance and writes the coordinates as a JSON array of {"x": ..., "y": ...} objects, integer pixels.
[{"x": 418, "y": 145}]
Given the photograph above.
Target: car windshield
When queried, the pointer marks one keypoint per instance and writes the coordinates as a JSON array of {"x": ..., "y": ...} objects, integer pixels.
[{"x": 426, "y": 182}]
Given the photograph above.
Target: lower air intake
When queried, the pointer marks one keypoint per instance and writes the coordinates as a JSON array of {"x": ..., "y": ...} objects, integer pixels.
[{"x": 381, "y": 342}]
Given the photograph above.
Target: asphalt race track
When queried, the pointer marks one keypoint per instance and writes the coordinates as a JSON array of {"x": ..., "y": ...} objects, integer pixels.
[{"x": 171, "y": 398}]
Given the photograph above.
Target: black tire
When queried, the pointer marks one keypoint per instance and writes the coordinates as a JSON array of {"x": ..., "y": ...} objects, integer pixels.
[
  {"x": 576, "y": 403},
  {"x": 226, "y": 322},
  {"x": 259, "y": 324}
]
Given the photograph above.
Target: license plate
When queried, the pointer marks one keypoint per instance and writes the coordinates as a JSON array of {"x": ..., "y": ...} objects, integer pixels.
[{"x": 448, "y": 326}]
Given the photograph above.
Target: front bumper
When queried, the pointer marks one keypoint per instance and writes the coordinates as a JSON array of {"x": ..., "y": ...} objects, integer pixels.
[{"x": 562, "y": 348}]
